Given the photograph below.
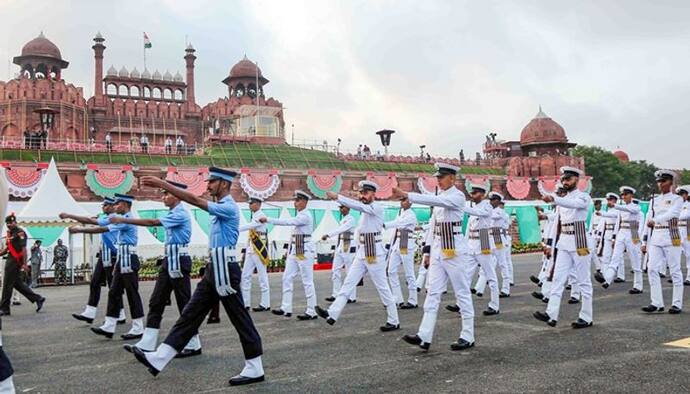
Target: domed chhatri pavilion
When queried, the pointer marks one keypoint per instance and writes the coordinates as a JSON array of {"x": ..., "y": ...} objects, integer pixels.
[
  {"x": 128, "y": 102},
  {"x": 622, "y": 156}
]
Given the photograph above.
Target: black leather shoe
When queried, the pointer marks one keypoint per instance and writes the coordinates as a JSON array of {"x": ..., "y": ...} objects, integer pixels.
[
  {"x": 605, "y": 285},
  {"x": 686, "y": 283},
  {"x": 307, "y": 317},
  {"x": 652, "y": 309},
  {"x": 351, "y": 301},
  {"x": 188, "y": 353},
  {"x": 419, "y": 289},
  {"x": 674, "y": 310},
  {"x": 140, "y": 355},
  {"x": 213, "y": 320},
  {"x": 473, "y": 291},
  {"x": 538, "y": 295},
  {"x": 503, "y": 295},
  {"x": 82, "y": 318},
  {"x": 568, "y": 287},
  {"x": 662, "y": 275},
  {"x": 545, "y": 300},
  {"x": 16, "y": 303},
  {"x": 330, "y": 299},
  {"x": 545, "y": 318},
  {"x": 669, "y": 280},
  {"x": 129, "y": 337},
  {"x": 240, "y": 380},
  {"x": 130, "y": 348},
  {"x": 619, "y": 280},
  {"x": 534, "y": 280},
  {"x": 461, "y": 344},
  {"x": 4, "y": 313},
  {"x": 246, "y": 308},
  {"x": 389, "y": 327},
  {"x": 490, "y": 312},
  {"x": 39, "y": 304},
  {"x": 581, "y": 324},
  {"x": 323, "y": 313},
  {"x": 280, "y": 312},
  {"x": 573, "y": 300},
  {"x": 453, "y": 308},
  {"x": 635, "y": 291},
  {"x": 99, "y": 331},
  {"x": 479, "y": 295},
  {"x": 416, "y": 340},
  {"x": 599, "y": 277},
  {"x": 121, "y": 322},
  {"x": 261, "y": 308},
  {"x": 407, "y": 305}
]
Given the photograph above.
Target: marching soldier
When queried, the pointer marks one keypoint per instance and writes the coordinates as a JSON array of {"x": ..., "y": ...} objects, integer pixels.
[
  {"x": 174, "y": 272},
  {"x": 500, "y": 222},
  {"x": 221, "y": 281},
  {"x": 481, "y": 245},
  {"x": 369, "y": 257},
  {"x": 401, "y": 252},
  {"x": 125, "y": 273},
  {"x": 300, "y": 259},
  {"x": 569, "y": 235},
  {"x": 426, "y": 252},
  {"x": 684, "y": 227},
  {"x": 256, "y": 257},
  {"x": 607, "y": 230},
  {"x": 594, "y": 236},
  {"x": 103, "y": 271},
  {"x": 15, "y": 255},
  {"x": 447, "y": 259},
  {"x": 344, "y": 252},
  {"x": 627, "y": 238},
  {"x": 662, "y": 241}
]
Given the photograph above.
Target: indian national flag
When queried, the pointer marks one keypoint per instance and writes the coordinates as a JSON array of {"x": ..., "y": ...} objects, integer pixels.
[{"x": 147, "y": 42}]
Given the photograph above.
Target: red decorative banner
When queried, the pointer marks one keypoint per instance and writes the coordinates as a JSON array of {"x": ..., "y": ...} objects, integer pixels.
[
  {"x": 194, "y": 178},
  {"x": 427, "y": 184},
  {"x": 386, "y": 184},
  {"x": 547, "y": 184},
  {"x": 585, "y": 183},
  {"x": 106, "y": 181},
  {"x": 319, "y": 184},
  {"x": 477, "y": 180},
  {"x": 259, "y": 183},
  {"x": 23, "y": 179},
  {"x": 518, "y": 187}
]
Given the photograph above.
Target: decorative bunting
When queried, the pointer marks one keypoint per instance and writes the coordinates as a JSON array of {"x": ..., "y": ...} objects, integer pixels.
[
  {"x": 477, "y": 180},
  {"x": 262, "y": 184},
  {"x": 194, "y": 178},
  {"x": 427, "y": 184},
  {"x": 106, "y": 181},
  {"x": 547, "y": 184},
  {"x": 23, "y": 179},
  {"x": 386, "y": 184},
  {"x": 319, "y": 184},
  {"x": 518, "y": 187}
]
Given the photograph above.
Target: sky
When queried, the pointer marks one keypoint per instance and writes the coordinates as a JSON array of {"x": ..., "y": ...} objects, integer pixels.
[{"x": 441, "y": 73}]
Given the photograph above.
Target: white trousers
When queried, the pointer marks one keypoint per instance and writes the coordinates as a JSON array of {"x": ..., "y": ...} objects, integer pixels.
[
  {"x": 509, "y": 261},
  {"x": 441, "y": 271},
  {"x": 503, "y": 265},
  {"x": 617, "y": 265},
  {"x": 659, "y": 258},
  {"x": 407, "y": 261},
  {"x": 488, "y": 267},
  {"x": 593, "y": 253},
  {"x": 252, "y": 262},
  {"x": 341, "y": 261},
  {"x": 377, "y": 274},
  {"x": 567, "y": 261},
  {"x": 421, "y": 276},
  {"x": 304, "y": 268},
  {"x": 7, "y": 386},
  {"x": 606, "y": 253},
  {"x": 685, "y": 246}
]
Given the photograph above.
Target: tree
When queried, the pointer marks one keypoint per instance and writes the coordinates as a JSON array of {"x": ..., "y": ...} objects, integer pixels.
[{"x": 609, "y": 173}]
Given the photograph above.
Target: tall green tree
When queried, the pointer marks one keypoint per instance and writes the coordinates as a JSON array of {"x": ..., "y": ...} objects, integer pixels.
[{"x": 608, "y": 173}]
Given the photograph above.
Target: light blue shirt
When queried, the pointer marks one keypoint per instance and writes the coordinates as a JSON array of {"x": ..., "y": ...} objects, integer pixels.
[
  {"x": 126, "y": 233},
  {"x": 225, "y": 222},
  {"x": 178, "y": 225},
  {"x": 108, "y": 239}
]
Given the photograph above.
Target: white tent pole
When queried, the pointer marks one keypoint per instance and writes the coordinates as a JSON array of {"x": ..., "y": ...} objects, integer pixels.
[{"x": 71, "y": 255}]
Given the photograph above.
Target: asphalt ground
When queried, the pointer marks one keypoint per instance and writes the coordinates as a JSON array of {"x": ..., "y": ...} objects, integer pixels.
[{"x": 624, "y": 351}]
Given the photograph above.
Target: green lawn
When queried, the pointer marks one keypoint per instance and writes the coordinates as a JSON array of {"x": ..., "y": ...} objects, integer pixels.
[{"x": 235, "y": 156}]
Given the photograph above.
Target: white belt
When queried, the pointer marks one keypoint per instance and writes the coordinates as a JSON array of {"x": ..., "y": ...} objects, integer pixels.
[
  {"x": 173, "y": 253},
  {"x": 220, "y": 257},
  {"x": 106, "y": 256},
  {"x": 124, "y": 257}
]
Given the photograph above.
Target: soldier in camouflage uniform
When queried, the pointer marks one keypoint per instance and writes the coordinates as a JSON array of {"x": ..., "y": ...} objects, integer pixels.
[{"x": 60, "y": 254}]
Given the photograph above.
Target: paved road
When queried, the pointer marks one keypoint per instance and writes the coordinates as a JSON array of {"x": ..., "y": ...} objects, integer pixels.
[{"x": 623, "y": 352}]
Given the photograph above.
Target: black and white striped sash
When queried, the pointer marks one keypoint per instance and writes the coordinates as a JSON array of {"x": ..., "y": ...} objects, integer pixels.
[{"x": 220, "y": 258}]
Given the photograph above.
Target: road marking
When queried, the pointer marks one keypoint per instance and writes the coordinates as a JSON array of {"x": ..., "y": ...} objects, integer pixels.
[{"x": 684, "y": 343}]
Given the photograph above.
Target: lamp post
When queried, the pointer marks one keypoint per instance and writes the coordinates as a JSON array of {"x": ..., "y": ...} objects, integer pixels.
[
  {"x": 47, "y": 117},
  {"x": 385, "y": 136},
  {"x": 337, "y": 148},
  {"x": 421, "y": 151}
]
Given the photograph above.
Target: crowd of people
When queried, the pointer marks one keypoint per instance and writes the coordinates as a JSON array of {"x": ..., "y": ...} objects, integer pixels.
[{"x": 470, "y": 261}]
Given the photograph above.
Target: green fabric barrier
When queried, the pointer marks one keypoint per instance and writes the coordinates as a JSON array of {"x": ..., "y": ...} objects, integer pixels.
[
  {"x": 158, "y": 231},
  {"x": 273, "y": 213},
  {"x": 317, "y": 214},
  {"x": 423, "y": 214},
  {"x": 47, "y": 235},
  {"x": 202, "y": 217},
  {"x": 528, "y": 224},
  {"x": 390, "y": 214}
]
